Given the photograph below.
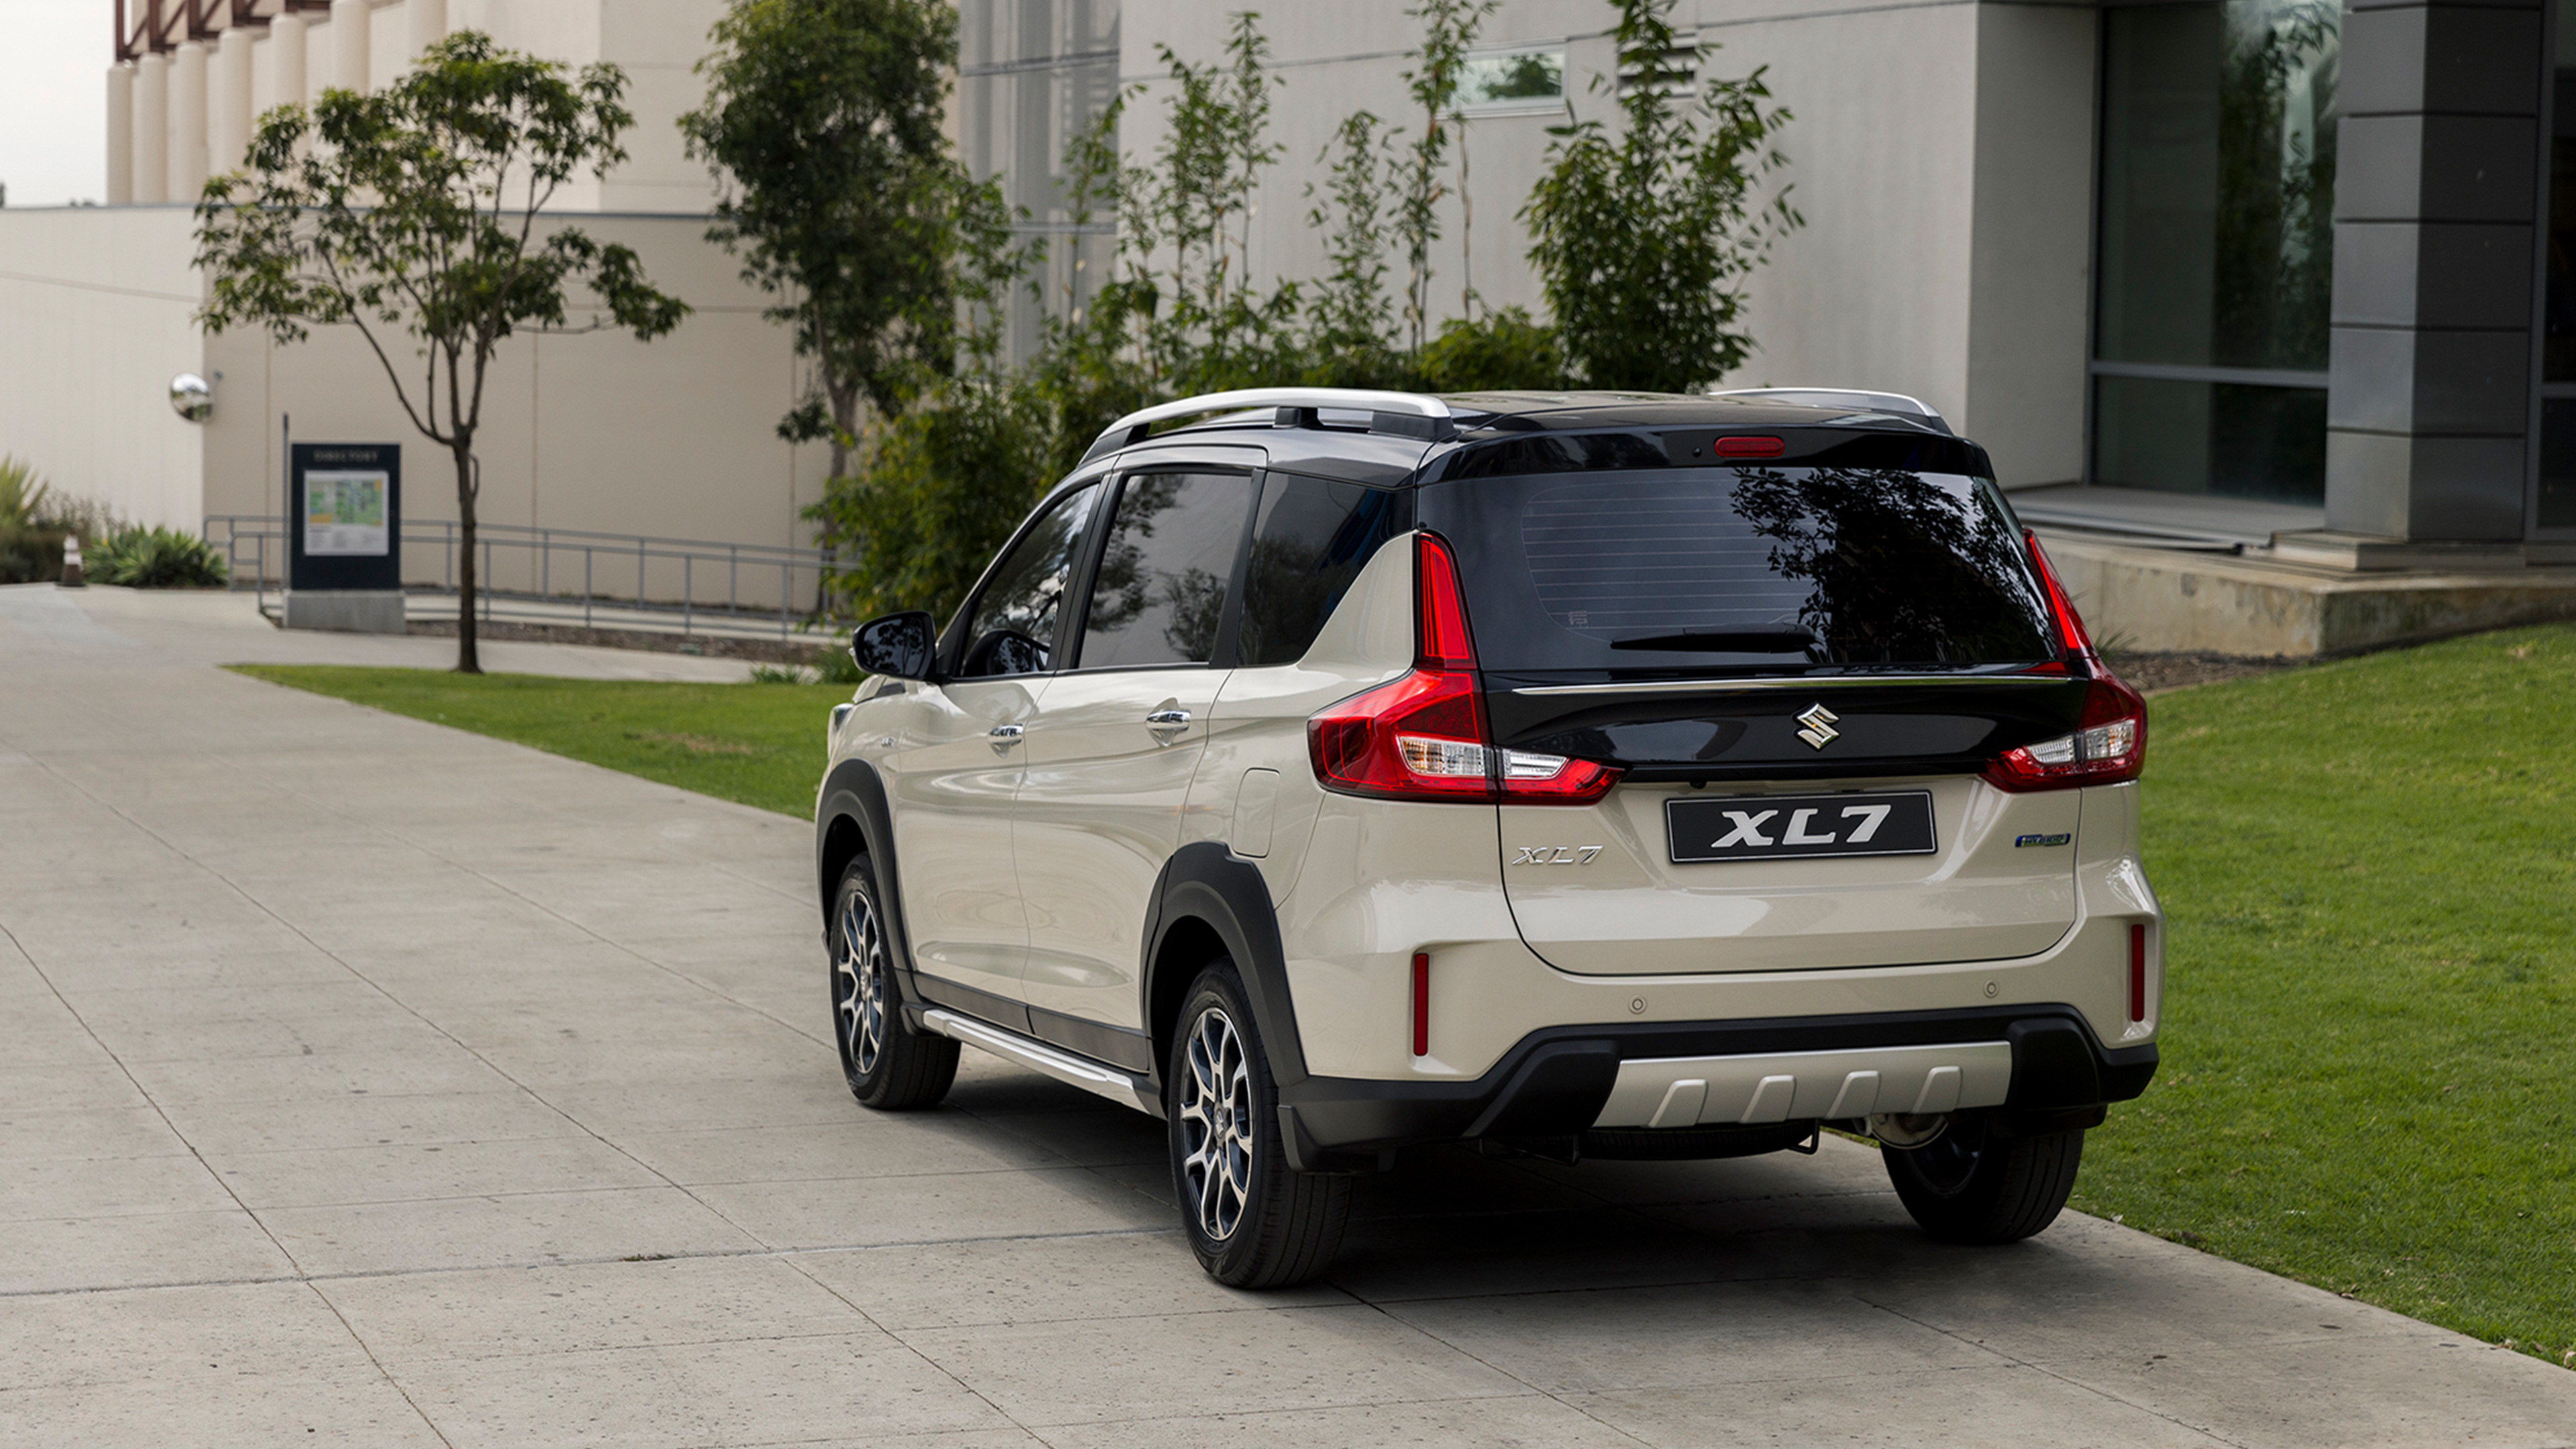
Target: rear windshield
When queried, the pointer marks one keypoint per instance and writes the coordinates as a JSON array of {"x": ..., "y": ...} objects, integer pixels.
[{"x": 1716, "y": 567}]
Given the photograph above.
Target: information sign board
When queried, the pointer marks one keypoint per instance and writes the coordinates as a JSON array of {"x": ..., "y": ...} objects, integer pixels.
[{"x": 346, "y": 528}]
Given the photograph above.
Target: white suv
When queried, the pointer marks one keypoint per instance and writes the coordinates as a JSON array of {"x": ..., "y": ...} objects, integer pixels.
[{"x": 1595, "y": 775}]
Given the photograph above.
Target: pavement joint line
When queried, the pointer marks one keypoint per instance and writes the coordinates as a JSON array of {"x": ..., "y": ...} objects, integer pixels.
[
  {"x": 209, "y": 1169},
  {"x": 478, "y": 874},
  {"x": 585, "y": 1261},
  {"x": 2044, "y": 1370}
]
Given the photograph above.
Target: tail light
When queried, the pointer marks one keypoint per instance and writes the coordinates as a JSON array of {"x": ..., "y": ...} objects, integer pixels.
[
  {"x": 1423, "y": 737},
  {"x": 2110, "y": 740}
]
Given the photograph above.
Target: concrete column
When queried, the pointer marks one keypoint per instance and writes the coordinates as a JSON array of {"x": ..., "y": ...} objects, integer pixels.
[
  {"x": 228, "y": 105},
  {"x": 286, "y": 48},
  {"x": 188, "y": 122},
  {"x": 152, "y": 129},
  {"x": 349, "y": 44},
  {"x": 2437, "y": 178},
  {"x": 428, "y": 20},
  {"x": 120, "y": 134}
]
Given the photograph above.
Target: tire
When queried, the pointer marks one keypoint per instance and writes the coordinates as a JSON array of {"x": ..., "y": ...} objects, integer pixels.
[
  {"x": 1253, "y": 1222},
  {"x": 1970, "y": 1185},
  {"x": 890, "y": 1067}
]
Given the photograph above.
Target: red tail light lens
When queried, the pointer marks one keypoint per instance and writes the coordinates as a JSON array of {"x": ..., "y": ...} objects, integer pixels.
[
  {"x": 1423, "y": 737},
  {"x": 2109, "y": 745},
  {"x": 2110, "y": 741},
  {"x": 2070, "y": 629}
]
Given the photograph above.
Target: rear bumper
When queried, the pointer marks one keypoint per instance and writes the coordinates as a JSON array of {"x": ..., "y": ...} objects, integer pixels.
[{"x": 1562, "y": 1081}]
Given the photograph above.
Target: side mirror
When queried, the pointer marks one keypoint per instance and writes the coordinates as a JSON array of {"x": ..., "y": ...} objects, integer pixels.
[{"x": 897, "y": 646}]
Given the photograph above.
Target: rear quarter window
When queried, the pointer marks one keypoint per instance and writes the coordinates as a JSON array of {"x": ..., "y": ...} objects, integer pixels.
[
  {"x": 1310, "y": 540},
  {"x": 1734, "y": 566}
]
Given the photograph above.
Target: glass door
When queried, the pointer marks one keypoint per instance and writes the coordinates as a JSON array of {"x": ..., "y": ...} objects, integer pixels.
[
  {"x": 2216, "y": 247},
  {"x": 2554, "y": 490}
]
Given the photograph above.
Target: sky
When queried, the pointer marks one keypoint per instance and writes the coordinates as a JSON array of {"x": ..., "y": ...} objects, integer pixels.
[{"x": 54, "y": 56}]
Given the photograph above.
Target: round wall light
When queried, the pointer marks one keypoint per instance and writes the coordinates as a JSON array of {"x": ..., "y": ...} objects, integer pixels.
[{"x": 192, "y": 397}]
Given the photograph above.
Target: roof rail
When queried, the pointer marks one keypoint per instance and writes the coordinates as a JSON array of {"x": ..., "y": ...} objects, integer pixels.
[
  {"x": 1842, "y": 397},
  {"x": 1406, "y": 414}
]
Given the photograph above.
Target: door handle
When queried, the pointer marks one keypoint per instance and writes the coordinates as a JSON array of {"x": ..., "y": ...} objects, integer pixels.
[
  {"x": 1168, "y": 718},
  {"x": 1002, "y": 737}
]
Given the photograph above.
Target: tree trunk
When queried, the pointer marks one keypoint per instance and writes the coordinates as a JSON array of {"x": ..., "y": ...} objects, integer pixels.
[
  {"x": 468, "y": 660},
  {"x": 845, "y": 424}
]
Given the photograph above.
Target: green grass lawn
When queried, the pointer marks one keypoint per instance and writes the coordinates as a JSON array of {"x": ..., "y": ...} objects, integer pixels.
[
  {"x": 2369, "y": 870},
  {"x": 2369, "y": 1082},
  {"x": 761, "y": 744}
]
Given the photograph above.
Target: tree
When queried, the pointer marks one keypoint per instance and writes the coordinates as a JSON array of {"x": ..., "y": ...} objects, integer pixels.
[
  {"x": 412, "y": 214},
  {"x": 1448, "y": 28},
  {"x": 823, "y": 125},
  {"x": 1643, "y": 242}
]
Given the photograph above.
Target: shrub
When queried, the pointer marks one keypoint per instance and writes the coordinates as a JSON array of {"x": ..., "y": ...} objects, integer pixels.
[
  {"x": 31, "y": 545},
  {"x": 155, "y": 558}
]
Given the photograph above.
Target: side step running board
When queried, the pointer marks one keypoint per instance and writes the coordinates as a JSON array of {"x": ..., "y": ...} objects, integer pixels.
[{"x": 1094, "y": 1077}]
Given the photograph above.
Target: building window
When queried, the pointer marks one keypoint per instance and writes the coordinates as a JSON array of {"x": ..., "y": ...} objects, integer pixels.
[
  {"x": 2217, "y": 247},
  {"x": 2556, "y": 506},
  {"x": 1530, "y": 78}
]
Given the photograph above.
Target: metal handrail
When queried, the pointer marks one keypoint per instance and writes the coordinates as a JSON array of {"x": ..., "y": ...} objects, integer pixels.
[{"x": 794, "y": 565}]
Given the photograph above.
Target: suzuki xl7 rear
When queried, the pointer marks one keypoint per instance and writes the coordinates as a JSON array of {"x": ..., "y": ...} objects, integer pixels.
[{"x": 1591, "y": 776}]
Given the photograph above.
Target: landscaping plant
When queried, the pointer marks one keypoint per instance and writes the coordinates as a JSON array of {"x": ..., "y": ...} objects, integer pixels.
[
  {"x": 837, "y": 188},
  {"x": 412, "y": 215},
  {"x": 154, "y": 558},
  {"x": 1644, "y": 238}
]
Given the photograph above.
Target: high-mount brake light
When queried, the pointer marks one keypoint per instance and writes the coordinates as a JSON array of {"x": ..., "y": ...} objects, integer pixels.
[
  {"x": 2110, "y": 739},
  {"x": 1750, "y": 447},
  {"x": 1423, "y": 737}
]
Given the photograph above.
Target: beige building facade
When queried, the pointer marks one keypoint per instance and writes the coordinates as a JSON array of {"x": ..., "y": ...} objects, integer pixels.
[{"x": 583, "y": 430}]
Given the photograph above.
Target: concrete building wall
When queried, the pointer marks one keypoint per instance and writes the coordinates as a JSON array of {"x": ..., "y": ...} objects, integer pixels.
[
  {"x": 674, "y": 438},
  {"x": 95, "y": 304},
  {"x": 371, "y": 43},
  {"x": 1942, "y": 156}
]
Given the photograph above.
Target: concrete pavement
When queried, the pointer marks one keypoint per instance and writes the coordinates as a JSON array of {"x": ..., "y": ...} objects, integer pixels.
[{"x": 370, "y": 1083}]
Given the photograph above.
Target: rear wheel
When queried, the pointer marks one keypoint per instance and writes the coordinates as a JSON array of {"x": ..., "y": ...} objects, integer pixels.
[
  {"x": 1253, "y": 1221},
  {"x": 889, "y": 1067},
  {"x": 1972, "y": 1185}
]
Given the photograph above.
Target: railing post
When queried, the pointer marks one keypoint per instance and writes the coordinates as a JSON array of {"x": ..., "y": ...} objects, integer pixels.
[
  {"x": 585, "y": 586},
  {"x": 487, "y": 581},
  {"x": 639, "y": 575},
  {"x": 688, "y": 591},
  {"x": 785, "y": 587}
]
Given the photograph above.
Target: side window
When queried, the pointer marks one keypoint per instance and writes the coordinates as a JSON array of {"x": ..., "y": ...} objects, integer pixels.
[
  {"x": 1160, "y": 594},
  {"x": 1312, "y": 539},
  {"x": 1013, "y": 626}
]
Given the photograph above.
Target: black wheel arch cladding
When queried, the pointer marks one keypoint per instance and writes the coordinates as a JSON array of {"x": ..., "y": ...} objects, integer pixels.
[
  {"x": 851, "y": 819},
  {"x": 1207, "y": 884}
]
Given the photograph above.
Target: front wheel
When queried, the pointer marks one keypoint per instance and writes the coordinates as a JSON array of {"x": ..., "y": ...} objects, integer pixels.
[
  {"x": 888, "y": 1066},
  {"x": 1253, "y": 1221},
  {"x": 1973, "y": 1185}
]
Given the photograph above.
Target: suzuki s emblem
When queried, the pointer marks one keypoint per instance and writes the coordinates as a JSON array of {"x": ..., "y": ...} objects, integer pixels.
[{"x": 1819, "y": 722}]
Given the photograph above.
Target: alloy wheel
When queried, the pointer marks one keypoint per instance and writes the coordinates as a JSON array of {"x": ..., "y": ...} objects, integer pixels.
[
  {"x": 1215, "y": 1111},
  {"x": 860, "y": 964}
]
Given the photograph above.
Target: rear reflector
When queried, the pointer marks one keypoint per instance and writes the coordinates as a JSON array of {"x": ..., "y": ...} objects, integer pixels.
[
  {"x": 2137, "y": 975},
  {"x": 1421, "y": 1003},
  {"x": 1750, "y": 447}
]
